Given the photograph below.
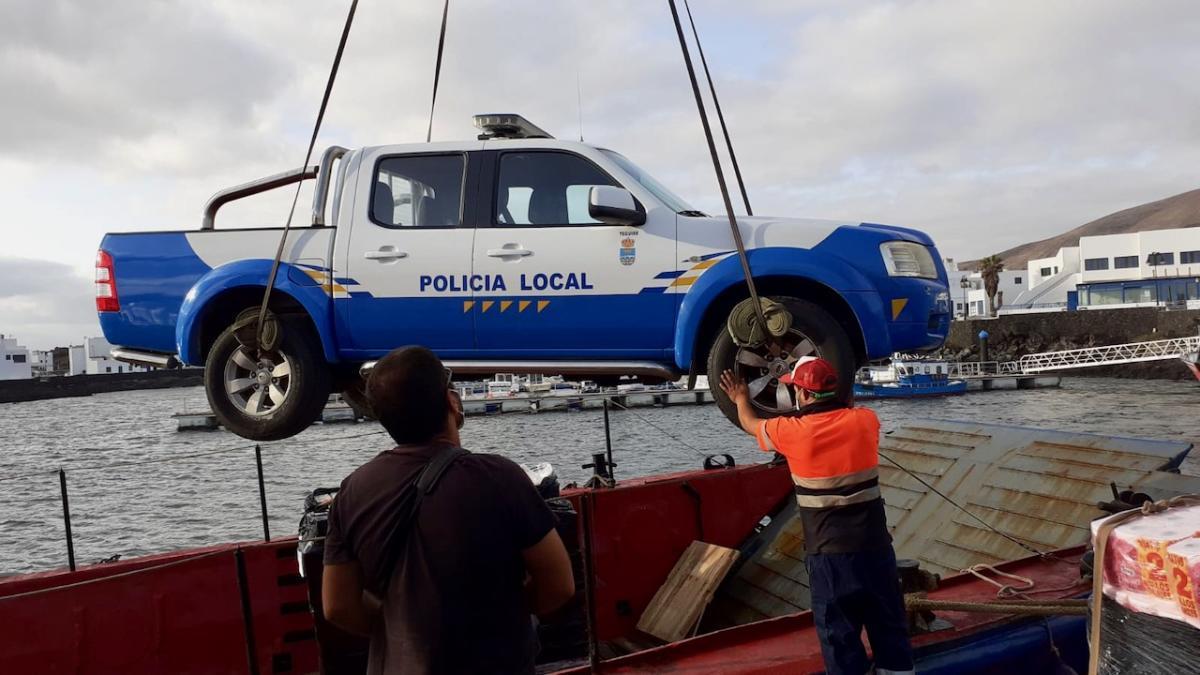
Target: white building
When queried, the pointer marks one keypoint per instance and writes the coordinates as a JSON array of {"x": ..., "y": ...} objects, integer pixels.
[
  {"x": 1138, "y": 269},
  {"x": 93, "y": 358},
  {"x": 14, "y": 360},
  {"x": 41, "y": 362},
  {"x": 968, "y": 292}
]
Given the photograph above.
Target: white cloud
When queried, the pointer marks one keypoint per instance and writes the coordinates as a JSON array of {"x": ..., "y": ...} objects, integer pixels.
[
  {"x": 45, "y": 304},
  {"x": 986, "y": 124}
]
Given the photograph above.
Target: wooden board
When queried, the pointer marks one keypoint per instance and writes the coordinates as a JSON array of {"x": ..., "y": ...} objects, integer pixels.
[{"x": 678, "y": 604}]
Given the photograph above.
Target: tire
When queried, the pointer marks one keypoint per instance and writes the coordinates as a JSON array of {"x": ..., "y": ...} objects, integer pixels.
[
  {"x": 809, "y": 322},
  {"x": 354, "y": 393},
  {"x": 290, "y": 396}
]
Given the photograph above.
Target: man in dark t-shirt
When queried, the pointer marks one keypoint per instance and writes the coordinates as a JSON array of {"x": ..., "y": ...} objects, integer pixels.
[{"x": 481, "y": 555}]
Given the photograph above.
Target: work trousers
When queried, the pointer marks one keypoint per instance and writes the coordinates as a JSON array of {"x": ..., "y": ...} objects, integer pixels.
[{"x": 851, "y": 591}]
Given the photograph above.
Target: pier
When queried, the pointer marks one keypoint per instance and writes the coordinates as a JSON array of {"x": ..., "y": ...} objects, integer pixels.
[{"x": 338, "y": 411}]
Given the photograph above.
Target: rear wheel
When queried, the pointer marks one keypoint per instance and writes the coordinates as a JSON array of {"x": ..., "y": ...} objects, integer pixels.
[
  {"x": 814, "y": 332},
  {"x": 268, "y": 395}
]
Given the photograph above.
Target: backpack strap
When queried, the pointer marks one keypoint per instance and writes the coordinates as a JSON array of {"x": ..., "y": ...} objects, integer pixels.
[
  {"x": 428, "y": 479},
  {"x": 425, "y": 482}
]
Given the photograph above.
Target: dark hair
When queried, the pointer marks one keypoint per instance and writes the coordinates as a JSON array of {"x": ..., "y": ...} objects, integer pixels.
[{"x": 407, "y": 392}]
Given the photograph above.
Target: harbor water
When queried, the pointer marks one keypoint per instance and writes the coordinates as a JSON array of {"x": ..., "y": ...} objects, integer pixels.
[{"x": 139, "y": 486}]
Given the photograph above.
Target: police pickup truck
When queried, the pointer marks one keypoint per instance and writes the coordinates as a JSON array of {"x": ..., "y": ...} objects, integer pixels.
[{"x": 514, "y": 253}]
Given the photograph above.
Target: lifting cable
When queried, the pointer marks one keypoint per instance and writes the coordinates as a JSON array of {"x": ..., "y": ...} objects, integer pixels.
[
  {"x": 712, "y": 149},
  {"x": 337, "y": 60},
  {"x": 737, "y": 172},
  {"x": 437, "y": 70}
]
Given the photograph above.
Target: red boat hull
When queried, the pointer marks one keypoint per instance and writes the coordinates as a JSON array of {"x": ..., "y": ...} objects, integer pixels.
[{"x": 217, "y": 609}]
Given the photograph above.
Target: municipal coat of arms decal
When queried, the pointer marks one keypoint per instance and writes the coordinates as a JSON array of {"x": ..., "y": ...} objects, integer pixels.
[{"x": 628, "y": 253}]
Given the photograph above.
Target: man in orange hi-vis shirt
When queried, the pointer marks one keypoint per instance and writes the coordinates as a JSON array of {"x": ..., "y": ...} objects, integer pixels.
[{"x": 832, "y": 449}]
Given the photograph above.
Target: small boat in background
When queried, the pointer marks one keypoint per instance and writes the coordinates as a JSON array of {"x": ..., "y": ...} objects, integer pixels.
[
  {"x": 906, "y": 378},
  {"x": 1192, "y": 361}
]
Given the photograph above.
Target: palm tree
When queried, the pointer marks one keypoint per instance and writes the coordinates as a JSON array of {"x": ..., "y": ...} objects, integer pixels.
[{"x": 990, "y": 269}]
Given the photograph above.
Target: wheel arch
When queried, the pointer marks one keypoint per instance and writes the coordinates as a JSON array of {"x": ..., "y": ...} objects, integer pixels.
[
  {"x": 838, "y": 288},
  {"x": 213, "y": 303}
]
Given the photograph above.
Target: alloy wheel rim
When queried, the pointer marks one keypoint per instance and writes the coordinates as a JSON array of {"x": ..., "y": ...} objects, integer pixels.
[
  {"x": 762, "y": 366},
  {"x": 257, "y": 387}
]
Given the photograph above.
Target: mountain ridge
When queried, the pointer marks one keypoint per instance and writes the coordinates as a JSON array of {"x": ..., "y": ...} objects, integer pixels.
[{"x": 1177, "y": 211}]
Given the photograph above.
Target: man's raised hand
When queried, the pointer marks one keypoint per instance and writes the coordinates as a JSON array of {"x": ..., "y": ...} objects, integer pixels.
[{"x": 734, "y": 387}]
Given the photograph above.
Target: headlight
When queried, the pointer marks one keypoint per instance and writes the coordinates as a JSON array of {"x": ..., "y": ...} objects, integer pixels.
[{"x": 907, "y": 259}]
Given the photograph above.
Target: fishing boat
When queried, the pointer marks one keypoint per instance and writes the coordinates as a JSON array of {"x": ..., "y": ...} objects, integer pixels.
[
  {"x": 1010, "y": 506},
  {"x": 907, "y": 378}
]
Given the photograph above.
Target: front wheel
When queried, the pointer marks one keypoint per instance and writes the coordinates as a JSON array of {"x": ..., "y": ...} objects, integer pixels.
[
  {"x": 268, "y": 395},
  {"x": 814, "y": 332}
]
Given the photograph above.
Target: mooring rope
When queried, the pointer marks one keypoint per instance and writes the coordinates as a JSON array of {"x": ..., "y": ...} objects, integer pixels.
[
  {"x": 662, "y": 431},
  {"x": 960, "y": 507},
  {"x": 179, "y": 457},
  {"x": 1069, "y": 607}
]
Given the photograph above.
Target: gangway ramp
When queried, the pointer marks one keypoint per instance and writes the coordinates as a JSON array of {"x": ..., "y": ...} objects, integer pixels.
[{"x": 1134, "y": 352}]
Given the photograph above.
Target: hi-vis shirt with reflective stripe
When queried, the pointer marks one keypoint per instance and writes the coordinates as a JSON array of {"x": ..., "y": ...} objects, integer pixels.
[{"x": 833, "y": 455}]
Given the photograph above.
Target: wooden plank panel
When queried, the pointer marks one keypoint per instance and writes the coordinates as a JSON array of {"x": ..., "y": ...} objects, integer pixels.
[{"x": 677, "y": 605}]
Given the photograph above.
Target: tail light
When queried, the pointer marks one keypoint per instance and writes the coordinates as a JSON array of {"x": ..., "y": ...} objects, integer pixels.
[{"x": 106, "y": 284}]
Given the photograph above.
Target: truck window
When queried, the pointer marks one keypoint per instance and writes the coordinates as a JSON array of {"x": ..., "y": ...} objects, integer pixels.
[
  {"x": 418, "y": 191},
  {"x": 546, "y": 188}
]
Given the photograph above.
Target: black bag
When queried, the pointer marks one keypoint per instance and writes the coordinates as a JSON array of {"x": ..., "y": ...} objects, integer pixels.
[{"x": 409, "y": 505}]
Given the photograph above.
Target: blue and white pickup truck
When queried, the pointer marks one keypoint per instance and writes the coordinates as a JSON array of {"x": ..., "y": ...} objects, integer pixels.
[{"x": 515, "y": 252}]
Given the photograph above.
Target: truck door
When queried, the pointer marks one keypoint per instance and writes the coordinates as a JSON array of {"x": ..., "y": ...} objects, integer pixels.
[
  {"x": 572, "y": 286},
  {"x": 408, "y": 255}
]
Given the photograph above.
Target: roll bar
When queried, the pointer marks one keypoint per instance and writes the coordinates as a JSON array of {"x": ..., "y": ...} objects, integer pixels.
[{"x": 321, "y": 172}]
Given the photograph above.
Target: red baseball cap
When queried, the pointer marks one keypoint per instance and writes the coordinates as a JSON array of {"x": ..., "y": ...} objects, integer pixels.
[{"x": 812, "y": 374}]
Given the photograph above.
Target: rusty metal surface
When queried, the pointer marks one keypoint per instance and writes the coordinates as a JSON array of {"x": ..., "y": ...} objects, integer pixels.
[{"x": 1040, "y": 487}]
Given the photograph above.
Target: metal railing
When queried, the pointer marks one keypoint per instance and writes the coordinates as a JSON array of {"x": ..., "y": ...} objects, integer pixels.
[
  {"x": 1135, "y": 352},
  {"x": 984, "y": 369}
]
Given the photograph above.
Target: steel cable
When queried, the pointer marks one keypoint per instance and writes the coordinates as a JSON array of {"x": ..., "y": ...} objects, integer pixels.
[
  {"x": 716, "y": 160},
  {"x": 337, "y": 60},
  {"x": 712, "y": 89},
  {"x": 437, "y": 70}
]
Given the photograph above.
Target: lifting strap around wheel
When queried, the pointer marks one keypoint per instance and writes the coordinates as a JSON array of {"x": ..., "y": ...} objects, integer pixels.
[{"x": 745, "y": 329}]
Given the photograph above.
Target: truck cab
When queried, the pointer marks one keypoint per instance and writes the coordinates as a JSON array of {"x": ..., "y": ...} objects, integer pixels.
[{"x": 516, "y": 253}]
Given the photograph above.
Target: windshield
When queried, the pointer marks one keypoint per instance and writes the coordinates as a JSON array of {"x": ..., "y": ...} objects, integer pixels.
[{"x": 670, "y": 199}]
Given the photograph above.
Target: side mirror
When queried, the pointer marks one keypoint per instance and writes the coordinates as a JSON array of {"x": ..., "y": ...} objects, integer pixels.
[{"x": 615, "y": 206}]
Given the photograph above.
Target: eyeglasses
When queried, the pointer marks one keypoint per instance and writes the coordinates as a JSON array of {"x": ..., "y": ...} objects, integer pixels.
[{"x": 449, "y": 377}]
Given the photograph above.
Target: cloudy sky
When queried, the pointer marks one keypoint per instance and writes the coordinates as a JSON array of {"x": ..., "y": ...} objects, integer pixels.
[{"x": 986, "y": 124}]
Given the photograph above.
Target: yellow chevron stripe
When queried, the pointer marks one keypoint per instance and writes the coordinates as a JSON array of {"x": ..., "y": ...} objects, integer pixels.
[
  {"x": 467, "y": 305},
  {"x": 542, "y": 304},
  {"x": 706, "y": 264},
  {"x": 898, "y": 306},
  {"x": 505, "y": 304},
  {"x": 684, "y": 281},
  {"x": 523, "y": 305},
  {"x": 487, "y": 304}
]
